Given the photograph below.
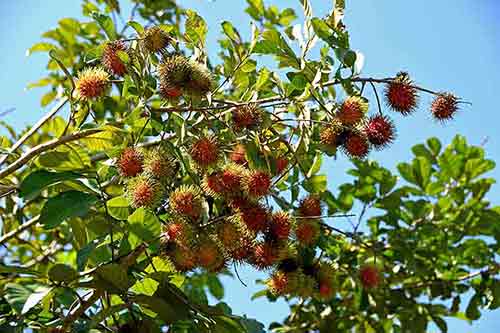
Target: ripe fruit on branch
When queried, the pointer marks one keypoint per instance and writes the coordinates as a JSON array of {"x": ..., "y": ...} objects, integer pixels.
[
  {"x": 444, "y": 106},
  {"x": 170, "y": 92},
  {"x": 254, "y": 216},
  {"x": 370, "y": 276},
  {"x": 401, "y": 95},
  {"x": 186, "y": 201},
  {"x": 205, "y": 151},
  {"x": 353, "y": 110},
  {"x": 256, "y": 183},
  {"x": 229, "y": 234},
  {"x": 130, "y": 162},
  {"x": 247, "y": 116},
  {"x": 238, "y": 155},
  {"x": 329, "y": 135},
  {"x": 92, "y": 83},
  {"x": 143, "y": 191},
  {"x": 280, "y": 225},
  {"x": 209, "y": 255},
  {"x": 155, "y": 39},
  {"x": 182, "y": 257},
  {"x": 265, "y": 255},
  {"x": 310, "y": 206},
  {"x": 111, "y": 58},
  {"x": 179, "y": 232},
  {"x": 279, "y": 283},
  {"x": 380, "y": 131},
  {"x": 307, "y": 231},
  {"x": 159, "y": 164},
  {"x": 356, "y": 145}
]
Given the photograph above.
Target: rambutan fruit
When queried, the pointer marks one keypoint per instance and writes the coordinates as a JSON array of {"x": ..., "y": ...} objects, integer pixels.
[
  {"x": 444, "y": 106},
  {"x": 256, "y": 183},
  {"x": 243, "y": 249},
  {"x": 370, "y": 276},
  {"x": 326, "y": 291},
  {"x": 310, "y": 206},
  {"x": 278, "y": 283},
  {"x": 401, "y": 95},
  {"x": 174, "y": 72},
  {"x": 130, "y": 162},
  {"x": 144, "y": 192},
  {"x": 170, "y": 92},
  {"x": 186, "y": 201},
  {"x": 255, "y": 217},
  {"x": 265, "y": 255},
  {"x": 307, "y": 232},
  {"x": 352, "y": 110},
  {"x": 301, "y": 284},
  {"x": 179, "y": 232},
  {"x": 155, "y": 39},
  {"x": 209, "y": 255},
  {"x": 356, "y": 145},
  {"x": 205, "y": 151},
  {"x": 238, "y": 155},
  {"x": 92, "y": 83},
  {"x": 228, "y": 234},
  {"x": 247, "y": 116},
  {"x": 212, "y": 185},
  {"x": 380, "y": 131},
  {"x": 159, "y": 164},
  {"x": 329, "y": 136},
  {"x": 111, "y": 58},
  {"x": 183, "y": 258},
  {"x": 200, "y": 80},
  {"x": 280, "y": 225}
]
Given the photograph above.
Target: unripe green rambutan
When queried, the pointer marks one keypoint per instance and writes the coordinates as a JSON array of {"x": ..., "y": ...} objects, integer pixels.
[
  {"x": 187, "y": 201},
  {"x": 307, "y": 232},
  {"x": 159, "y": 164},
  {"x": 238, "y": 155},
  {"x": 444, "y": 106},
  {"x": 278, "y": 283},
  {"x": 143, "y": 191},
  {"x": 401, "y": 95},
  {"x": 310, "y": 206},
  {"x": 353, "y": 110},
  {"x": 256, "y": 183},
  {"x": 205, "y": 151},
  {"x": 280, "y": 225},
  {"x": 356, "y": 145},
  {"x": 155, "y": 39},
  {"x": 130, "y": 162},
  {"x": 92, "y": 83},
  {"x": 247, "y": 116},
  {"x": 200, "y": 81},
  {"x": 111, "y": 60}
]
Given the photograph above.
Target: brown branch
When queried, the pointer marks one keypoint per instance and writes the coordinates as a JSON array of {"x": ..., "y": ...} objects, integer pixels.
[
  {"x": 14, "y": 233},
  {"x": 26, "y": 157},
  {"x": 79, "y": 311}
]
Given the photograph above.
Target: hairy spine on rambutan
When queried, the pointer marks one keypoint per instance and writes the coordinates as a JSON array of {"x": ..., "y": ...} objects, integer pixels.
[
  {"x": 111, "y": 57},
  {"x": 356, "y": 145},
  {"x": 186, "y": 201},
  {"x": 301, "y": 284},
  {"x": 205, "y": 151},
  {"x": 92, "y": 83},
  {"x": 238, "y": 155},
  {"x": 444, "y": 106},
  {"x": 265, "y": 255},
  {"x": 326, "y": 275},
  {"x": 401, "y": 95},
  {"x": 278, "y": 283},
  {"x": 229, "y": 234},
  {"x": 130, "y": 162},
  {"x": 200, "y": 81},
  {"x": 155, "y": 39},
  {"x": 380, "y": 131},
  {"x": 247, "y": 116},
  {"x": 307, "y": 232},
  {"x": 280, "y": 225},
  {"x": 243, "y": 249},
  {"x": 143, "y": 191},
  {"x": 353, "y": 110},
  {"x": 159, "y": 164},
  {"x": 369, "y": 275},
  {"x": 255, "y": 217},
  {"x": 310, "y": 206},
  {"x": 174, "y": 72},
  {"x": 178, "y": 232},
  {"x": 329, "y": 134},
  {"x": 256, "y": 183}
]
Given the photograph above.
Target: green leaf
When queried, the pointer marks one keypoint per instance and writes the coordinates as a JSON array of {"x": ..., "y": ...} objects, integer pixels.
[
  {"x": 144, "y": 224},
  {"x": 136, "y": 26},
  {"x": 215, "y": 287},
  {"x": 168, "y": 313},
  {"x": 472, "y": 312},
  {"x": 65, "y": 205},
  {"x": 62, "y": 273},
  {"x": 231, "y": 32},
  {"x": 113, "y": 278},
  {"x": 315, "y": 184},
  {"x": 48, "y": 98},
  {"x": 118, "y": 208},
  {"x": 17, "y": 294},
  {"x": 145, "y": 286},
  {"x": 40, "y": 47},
  {"x": 106, "y": 23},
  {"x": 17, "y": 269},
  {"x": 83, "y": 255},
  {"x": 39, "y": 179},
  {"x": 434, "y": 145},
  {"x": 196, "y": 29},
  {"x": 35, "y": 298},
  {"x": 422, "y": 170}
]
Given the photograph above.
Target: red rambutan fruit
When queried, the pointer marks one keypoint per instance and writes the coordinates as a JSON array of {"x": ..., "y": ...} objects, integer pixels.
[
  {"x": 209, "y": 255},
  {"x": 111, "y": 59},
  {"x": 144, "y": 192},
  {"x": 326, "y": 290},
  {"x": 307, "y": 232},
  {"x": 280, "y": 225},
  {"x": 255, "y": 217},
  {"x": 92, "y": 83},
  {"x": 130, "y": 162},
  {"x": 444, "y": 106},
  {"x": 170, "y": 92},
  {"x": 356, "y": 145},
  {"x": 243, "y": 250},
  {"x": 247, "y": 116},
  {"x": 401, "y": 95},
  {"x": 281, "y": 164},
  {"x": 257, "y": 183},
  {"x": 310, "y": 206},
  {"x": 278, "y": 283},
  {"x": 212, "y": 184},
  {"x": 186, "y": 201},
  {"x": 265, "y": 255},
  {"x": 370, "y": 277},
  {"x": 205, "y": 151},
  {"x": 380, "y": 131},
  {"x": 352, "y": 110},
  {"x": 238, "y": 155},
  {"x": 228, "y": 234},
  {"x": 183, "y": 258}
]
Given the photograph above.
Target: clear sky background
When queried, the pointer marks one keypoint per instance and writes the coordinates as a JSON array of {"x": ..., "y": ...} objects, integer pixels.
[{"x": 445, "y": 44}]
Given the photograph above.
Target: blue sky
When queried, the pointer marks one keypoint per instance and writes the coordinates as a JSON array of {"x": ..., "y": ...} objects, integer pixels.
[{"x": 446, "y": 45}]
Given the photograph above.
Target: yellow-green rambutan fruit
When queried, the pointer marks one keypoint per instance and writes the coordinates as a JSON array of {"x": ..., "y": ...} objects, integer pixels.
[
  {"x": 92, "y": 83},
  {"x": 352, "y": 110},
  {"x": 143, "y": 191},
  {"x": 187, "y": 201},
  {"x": 159, "y": 164},
  {"x": 155, "y": 39}
]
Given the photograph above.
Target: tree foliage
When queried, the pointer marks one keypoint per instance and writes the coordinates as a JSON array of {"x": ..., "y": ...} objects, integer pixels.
[{"x": 172, "y": 169}]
